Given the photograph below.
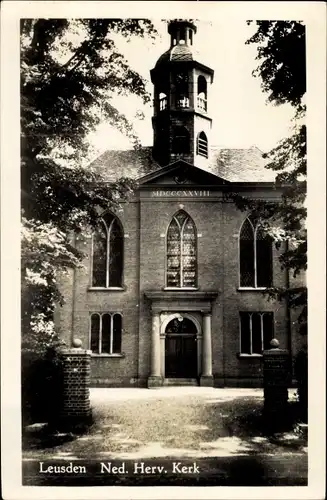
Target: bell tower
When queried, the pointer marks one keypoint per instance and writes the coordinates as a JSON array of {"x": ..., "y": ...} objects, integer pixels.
[{"x": 181, "y": 121}]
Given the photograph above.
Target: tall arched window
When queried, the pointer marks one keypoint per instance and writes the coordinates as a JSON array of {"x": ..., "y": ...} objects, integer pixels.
[
  {"x": 182, "y": 90},
  {"x": 202, "y": 93},
  {"x": 202, "y": 145},
  {"x": 181, "y": 252},
  {"x": 163, "y": 101},
  {"x": 107, "y": 255},
  {"x": 255, "y": 255},
  {"x": 181, "y": 140}
]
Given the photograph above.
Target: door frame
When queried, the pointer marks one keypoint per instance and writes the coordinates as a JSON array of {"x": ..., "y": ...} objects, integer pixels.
[{"x": 164, "y": 320}]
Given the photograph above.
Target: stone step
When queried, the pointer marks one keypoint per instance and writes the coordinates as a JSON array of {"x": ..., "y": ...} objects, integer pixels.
[{"x": 181, "y": 381}]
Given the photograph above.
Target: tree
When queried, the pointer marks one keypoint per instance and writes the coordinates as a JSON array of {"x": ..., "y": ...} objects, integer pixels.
[
  {"x": 70, "y": 72},
  {"x": 282, "y": 70}
]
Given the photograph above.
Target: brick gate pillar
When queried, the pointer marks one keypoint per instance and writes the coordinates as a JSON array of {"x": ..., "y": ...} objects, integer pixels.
[
  {"x": 155, "y": 378},
  {"x": 276, "y": 379},
  {"x": 76, "y": 371},
  {"x": 206, "y": 376}
]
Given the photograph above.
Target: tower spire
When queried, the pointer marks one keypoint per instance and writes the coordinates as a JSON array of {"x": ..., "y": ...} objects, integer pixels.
[{"x": 181, "y": 121}]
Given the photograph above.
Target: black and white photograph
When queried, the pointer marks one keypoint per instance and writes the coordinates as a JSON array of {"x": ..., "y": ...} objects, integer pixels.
[{"x": 162, "y": 184}]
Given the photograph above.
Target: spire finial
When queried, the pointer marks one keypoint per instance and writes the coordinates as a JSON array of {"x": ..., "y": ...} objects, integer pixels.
[{"x": 181, "y": 31}]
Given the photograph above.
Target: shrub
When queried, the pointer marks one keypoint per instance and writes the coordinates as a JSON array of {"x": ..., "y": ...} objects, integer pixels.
[{"x": 41, "y": 386}]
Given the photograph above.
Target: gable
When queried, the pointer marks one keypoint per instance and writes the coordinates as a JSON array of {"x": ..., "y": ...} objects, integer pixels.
[{"x": 181, "y": 173}]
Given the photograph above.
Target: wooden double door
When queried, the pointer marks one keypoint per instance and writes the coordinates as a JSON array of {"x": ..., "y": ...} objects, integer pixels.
[{"x": 181, "y": 349}]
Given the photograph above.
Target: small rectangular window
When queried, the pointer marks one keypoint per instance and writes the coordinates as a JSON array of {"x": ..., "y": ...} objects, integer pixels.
[
  {"x": 117, "y": 329},
  {"x": 245, "y": 320},
  {"x": 256, "y": 331},
  {"x": 95, "y": 332},
  {"x": 106, "y": 333}
]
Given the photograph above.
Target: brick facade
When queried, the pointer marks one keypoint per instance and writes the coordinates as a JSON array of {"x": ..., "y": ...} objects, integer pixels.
[{"x": 145, "y": 220}]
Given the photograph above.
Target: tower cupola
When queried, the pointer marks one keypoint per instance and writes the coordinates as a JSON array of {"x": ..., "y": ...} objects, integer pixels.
[
  {"x": 181, "y": 121},
  {"x": 181, "y": 32}
]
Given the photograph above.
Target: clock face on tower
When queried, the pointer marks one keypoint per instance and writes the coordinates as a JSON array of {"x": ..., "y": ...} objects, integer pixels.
[{"x": 182, "y": 79}]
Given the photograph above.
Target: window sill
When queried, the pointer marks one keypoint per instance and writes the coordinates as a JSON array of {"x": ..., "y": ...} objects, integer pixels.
[
  {"x": 104, "y": 289},
  {"x": 106, "y": 355},
  {"x": 178, "y": 289},
  {"x": 251, "y": 289},
  {"x": 243, "y": 355}
]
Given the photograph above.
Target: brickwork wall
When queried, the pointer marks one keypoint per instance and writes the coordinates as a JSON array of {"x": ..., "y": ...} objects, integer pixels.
[
  {"x": 218, "y": 224},
  {"x": 82, "y": 301},
  {"x": 242, "y": 370},
  {"x": 76, "y": 384}
]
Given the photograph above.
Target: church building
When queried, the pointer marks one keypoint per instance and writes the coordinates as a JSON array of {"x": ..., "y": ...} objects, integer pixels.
[{"x": 171, "y": 291}]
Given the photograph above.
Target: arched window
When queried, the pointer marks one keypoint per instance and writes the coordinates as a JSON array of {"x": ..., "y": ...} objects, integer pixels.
[
  {"x": 181, "y": 140},
  {"x": 182, "y": 90},
  {"x": 181, "y": 252},
  {"x": 162, "y": 101},
  {"x": 107, "y": 254},
  {"x": 255, "y": 255},
  {"x": 106, "y": 333},
  {"x": 202, "y": 93},
  {"x": 202, "y": 145}
]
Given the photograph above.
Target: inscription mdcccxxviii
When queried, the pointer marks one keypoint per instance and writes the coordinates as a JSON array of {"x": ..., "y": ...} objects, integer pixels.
[{"x": 190, "y": 193}]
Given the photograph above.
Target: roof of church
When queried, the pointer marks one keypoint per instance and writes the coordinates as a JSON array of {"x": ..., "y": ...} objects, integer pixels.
[{"x": 233, "y": 165}]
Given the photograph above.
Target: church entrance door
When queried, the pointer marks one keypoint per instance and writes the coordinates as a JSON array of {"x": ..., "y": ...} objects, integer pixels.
[{"x": 181, "y": 349}]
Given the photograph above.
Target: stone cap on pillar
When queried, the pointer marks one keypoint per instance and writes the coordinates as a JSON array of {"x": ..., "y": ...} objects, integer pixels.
[
  {"x": 76, "y": 348},
  {"x": 274, "y": 343},
  {"x": 275, "y": 349},
  {"x": 76, "y": 342}
]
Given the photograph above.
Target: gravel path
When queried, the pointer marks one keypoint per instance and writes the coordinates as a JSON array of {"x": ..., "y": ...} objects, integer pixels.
[{"x": 182, "y": 422}]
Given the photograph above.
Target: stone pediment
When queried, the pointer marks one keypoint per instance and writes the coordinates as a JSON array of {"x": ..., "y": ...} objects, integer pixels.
[{"x": 181, "y": 173}]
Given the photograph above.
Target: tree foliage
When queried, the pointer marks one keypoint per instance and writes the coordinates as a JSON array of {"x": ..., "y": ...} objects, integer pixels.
[
  {"x": 282, "y": 70},
  {"x": 70, "y": 72},
  {"x": 281, "y": 53}
]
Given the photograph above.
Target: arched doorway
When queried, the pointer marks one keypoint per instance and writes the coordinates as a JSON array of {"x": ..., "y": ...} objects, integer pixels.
[{"x": 181, "y": 348}]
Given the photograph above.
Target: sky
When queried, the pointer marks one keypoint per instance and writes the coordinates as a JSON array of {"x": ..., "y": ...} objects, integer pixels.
[{"x": 241, "y": 115}]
